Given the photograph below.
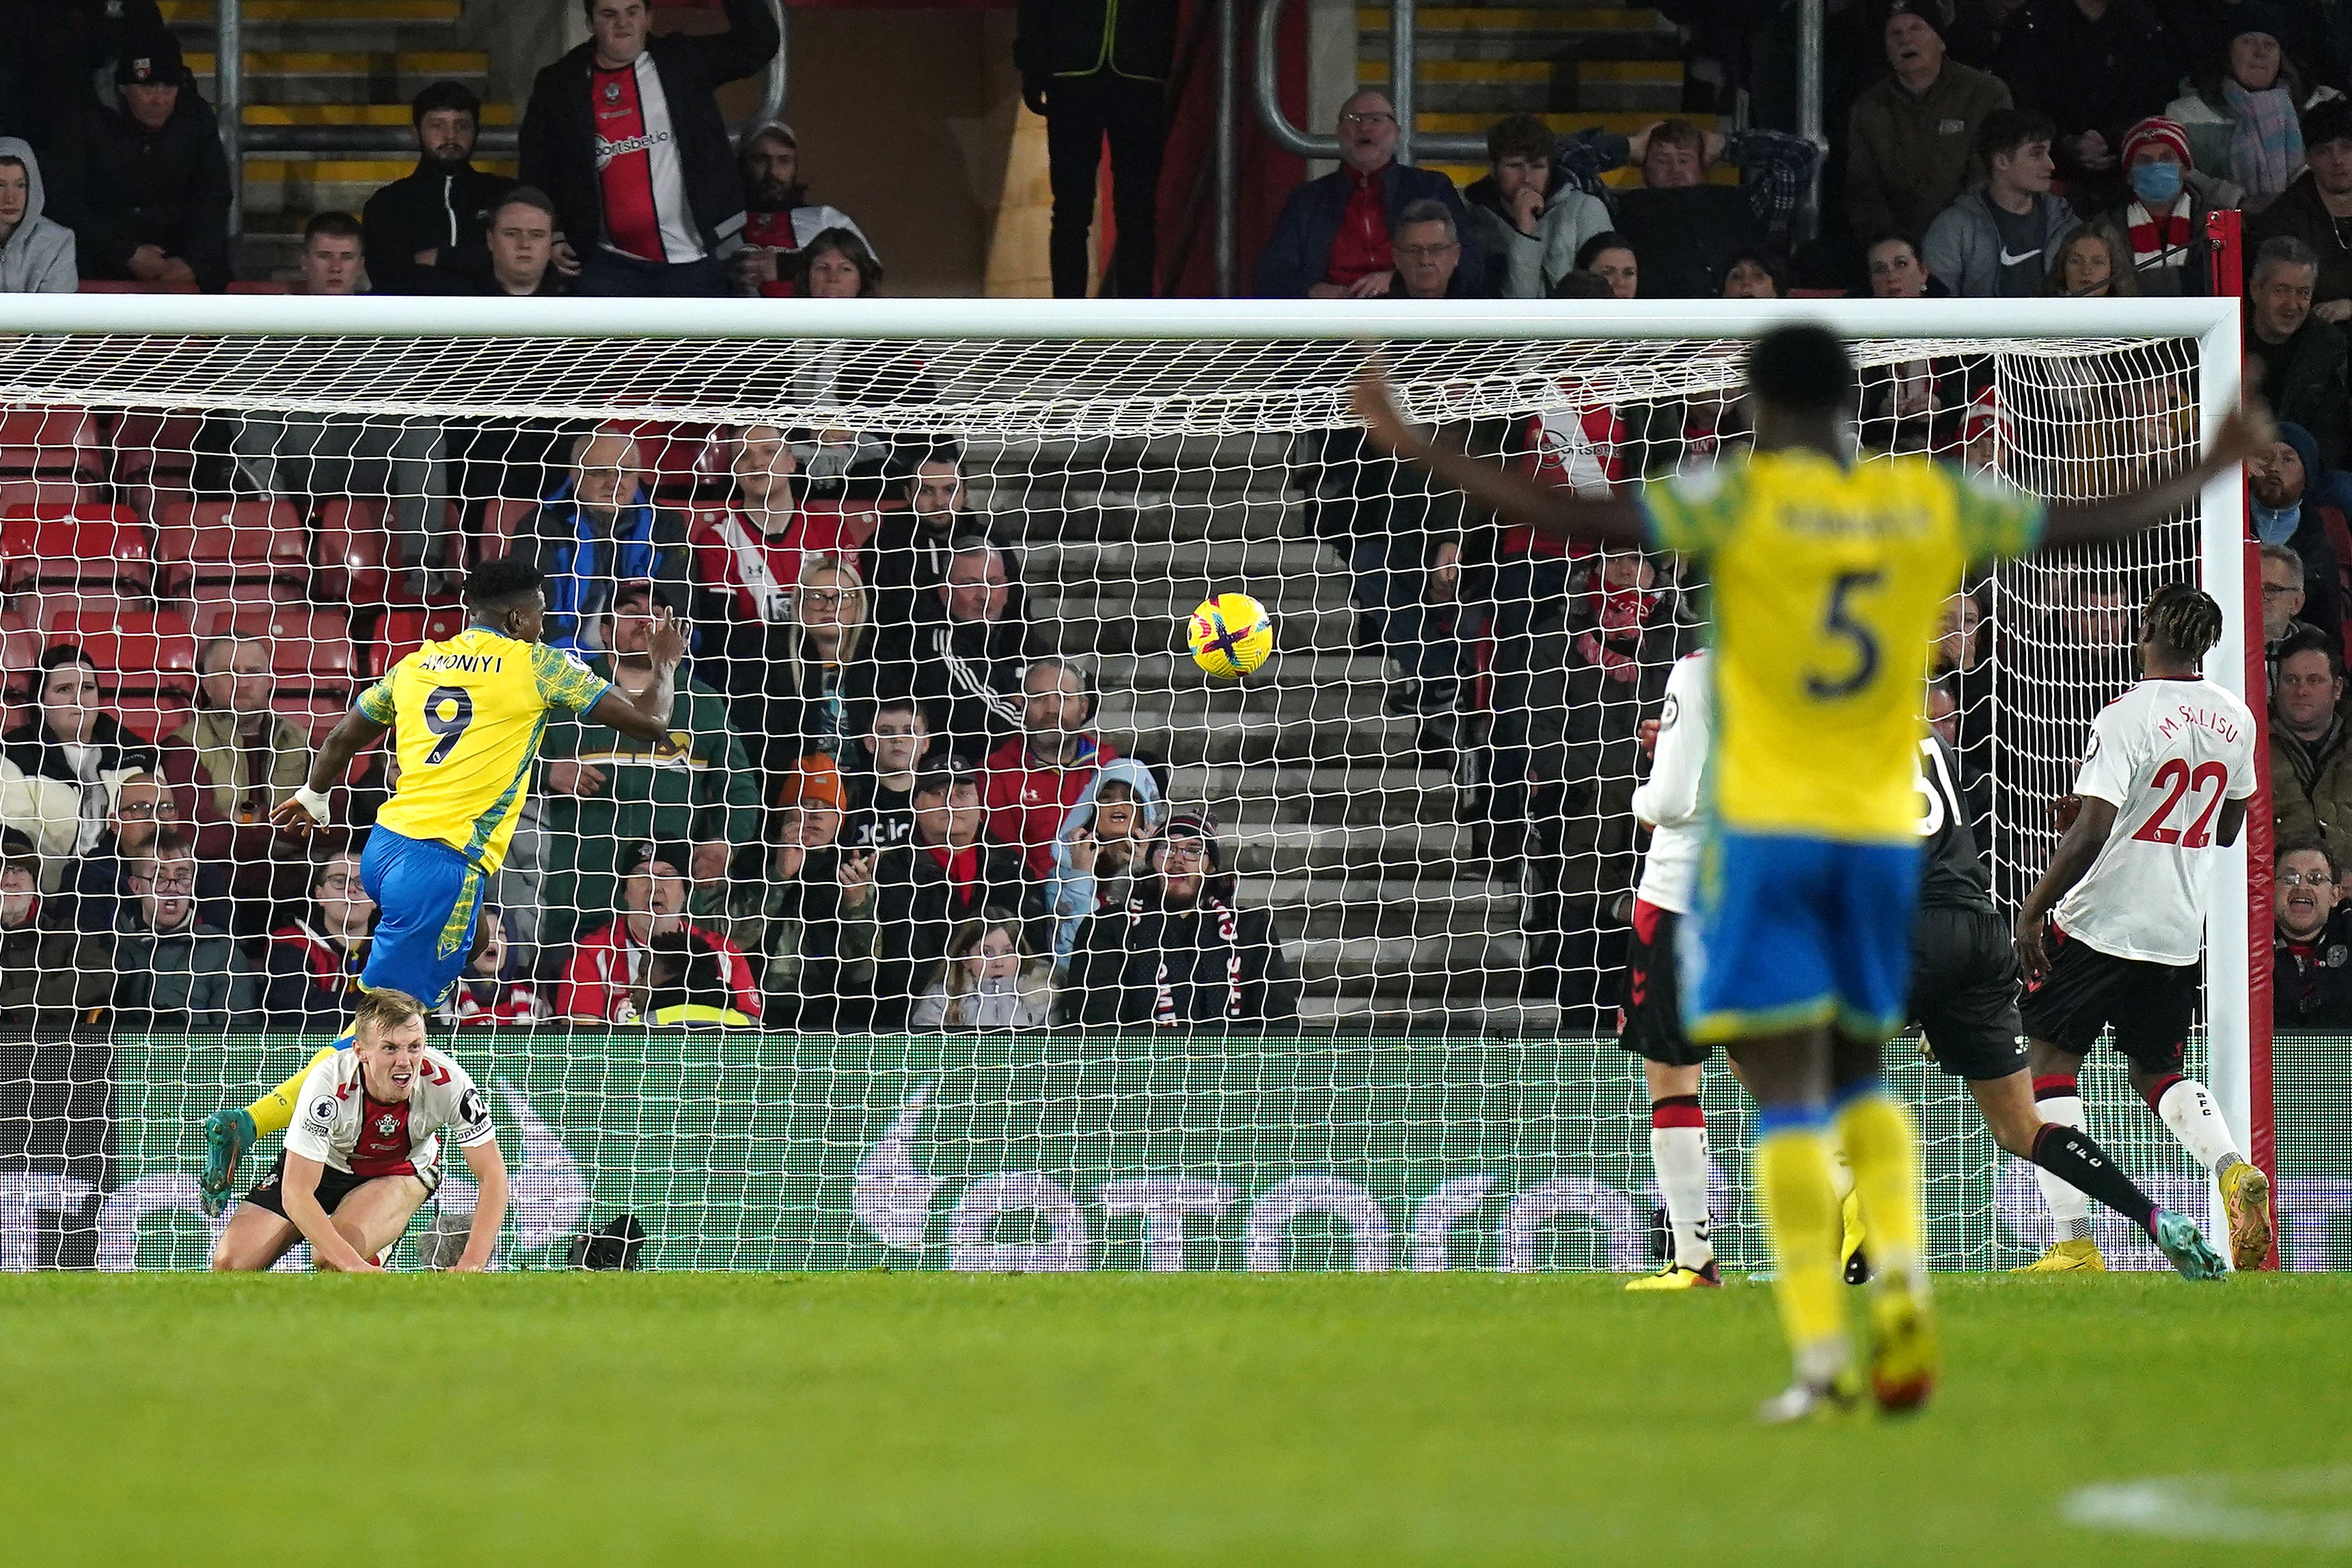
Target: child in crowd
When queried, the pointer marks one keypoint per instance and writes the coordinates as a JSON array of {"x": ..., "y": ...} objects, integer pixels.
[{"x": 989, "y": 980}]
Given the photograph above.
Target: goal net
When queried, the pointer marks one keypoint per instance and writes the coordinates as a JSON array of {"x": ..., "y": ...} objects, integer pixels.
[{"x": 1315, "y": 968}]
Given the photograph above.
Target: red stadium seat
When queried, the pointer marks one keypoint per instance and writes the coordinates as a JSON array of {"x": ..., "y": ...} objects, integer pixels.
[
  {"x": 212, "y": 606},
  {"x": 156, "y": 445},
  {"x": 680, "y": 460},
  {"x": 57, "y": 441},
  {"x": 81, "y": 620},
  {"x": 356, "y": 552},
  {"x": 72, "y": 547},
  {"x": 311, "y": 649},
  {"x": 25, "y": 492},
  {"x": 201, "y": 542},
  {"x": 859, "y": 518},
  {"x": 402, "y": 631},
  {"x": 148, "y": 678}
]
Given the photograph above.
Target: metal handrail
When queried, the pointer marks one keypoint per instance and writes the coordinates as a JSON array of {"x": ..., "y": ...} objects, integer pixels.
[
  {"x": 1267, "y": 94},
  {"x": 496, "y": 141}
]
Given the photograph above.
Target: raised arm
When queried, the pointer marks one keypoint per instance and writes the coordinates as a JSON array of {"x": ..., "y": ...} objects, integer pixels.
[
  {"x": 1561, "y": 514},
  {"x": 306, "y": 809},
  {"x": 2246, "y": 433},
  {"x": 647, "y": 717}
]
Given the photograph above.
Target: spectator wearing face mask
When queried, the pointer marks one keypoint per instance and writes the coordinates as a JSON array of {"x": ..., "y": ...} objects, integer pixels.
[
  {"x": 2311, "y": 948},
  {"x": 2162, "y": 219},
  {"x": 37, "y": 253}
]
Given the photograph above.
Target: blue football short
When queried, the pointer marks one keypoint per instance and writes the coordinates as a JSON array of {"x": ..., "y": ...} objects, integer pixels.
[
  {"x": 427, "y": 899},
  {"x": 1793, "y": 931}
]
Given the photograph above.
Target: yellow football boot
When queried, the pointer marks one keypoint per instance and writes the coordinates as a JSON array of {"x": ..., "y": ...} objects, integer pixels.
[
  {"x": 1675, "y": 1277},
  {"x": 1904, "y": 1356},
  {"x": 2246, "y": 1194},
  {"x": 2079, "y": 1256}
]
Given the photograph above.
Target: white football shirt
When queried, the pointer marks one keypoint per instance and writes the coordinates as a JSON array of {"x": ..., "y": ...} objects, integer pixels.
[
  {"x": 336, "y": 1120},
  {"x": 2166, "y": 755},
  {"x": 1669, "y": 800}
]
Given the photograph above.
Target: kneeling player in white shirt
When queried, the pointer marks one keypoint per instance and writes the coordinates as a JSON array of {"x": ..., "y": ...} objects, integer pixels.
[
  {"x": 364, "y": 1151},
  {"x": 2112, "y": 932}
]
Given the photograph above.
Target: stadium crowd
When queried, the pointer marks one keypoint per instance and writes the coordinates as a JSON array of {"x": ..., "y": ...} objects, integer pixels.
[{"x": 894, "y": 808}]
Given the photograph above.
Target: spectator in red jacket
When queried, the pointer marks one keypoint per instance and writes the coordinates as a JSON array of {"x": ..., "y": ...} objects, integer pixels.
[
  {"x": 609, "y": 963},
  {"x": 486, "y": 997},
  {"x": 1030, "y": 782}
]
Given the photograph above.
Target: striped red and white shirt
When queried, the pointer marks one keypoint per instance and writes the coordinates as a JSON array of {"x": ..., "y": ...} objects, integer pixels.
[{"x": 644, "y": 185}]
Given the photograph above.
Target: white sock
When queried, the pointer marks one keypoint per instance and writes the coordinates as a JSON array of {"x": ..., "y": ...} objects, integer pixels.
[
  {"x": 1841, "y": 1173},
  {"x": 2069, "y": 1206},
  {"x": 1679, "y": 1156},
  {"x": 2188, "y": 1108}
]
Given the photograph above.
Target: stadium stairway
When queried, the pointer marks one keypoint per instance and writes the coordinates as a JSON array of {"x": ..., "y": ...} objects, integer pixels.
[
  {"x": 1334, "y": 816},
  {"x": 329, "y": 63},
  {"x": 1577, "y": 63}
]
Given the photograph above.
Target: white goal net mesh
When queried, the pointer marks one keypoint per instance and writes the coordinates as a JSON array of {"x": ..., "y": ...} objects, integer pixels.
[{"x": 940, "y": 588}]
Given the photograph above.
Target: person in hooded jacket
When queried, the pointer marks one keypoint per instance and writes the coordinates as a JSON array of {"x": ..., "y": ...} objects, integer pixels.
[
  {"x": 965, "y": 663},
  {"x": 37, "y": 253},
  {"x": 1181, "y": 953},
  {"x": 1104, "y": 849},
  {"x": 144, "y": 186}
]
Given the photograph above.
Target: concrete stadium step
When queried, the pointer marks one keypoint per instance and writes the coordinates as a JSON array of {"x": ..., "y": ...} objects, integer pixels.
[
  {"x": 1141, "y": 623},
  {"x": 1265, "y": 560},
  {"x": 1366, "y": 850},
  {"x": 395, "y": 115},
  {"x": 290, "y": 183},
  {"x": 1519, "y": 32},
  {"x": 1315, "y": 906},
  {"x": 1492, "y": 88},
  {"x": 1401, "y": 796},
  {"x": 1174, "y": 670},
  {"x": 343, "y": 76},
  {"x": 1039, "y": 517},
  {"x": 342, "y": 25},
  {"x": 1418, "y": 966}
]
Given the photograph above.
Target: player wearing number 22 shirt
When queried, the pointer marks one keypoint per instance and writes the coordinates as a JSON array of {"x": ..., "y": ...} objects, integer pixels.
[{"x": 466, "y": 716}]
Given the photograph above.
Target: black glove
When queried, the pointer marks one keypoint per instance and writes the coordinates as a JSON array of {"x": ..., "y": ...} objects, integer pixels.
[{"x": 1032, "y": 93}]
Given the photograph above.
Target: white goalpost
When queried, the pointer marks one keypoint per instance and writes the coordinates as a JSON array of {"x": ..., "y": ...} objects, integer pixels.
[{"x": 1400, "y": 1055}]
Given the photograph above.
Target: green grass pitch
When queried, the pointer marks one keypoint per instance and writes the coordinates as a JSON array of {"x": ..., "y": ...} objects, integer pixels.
[{"x": 929, "y": 1418}]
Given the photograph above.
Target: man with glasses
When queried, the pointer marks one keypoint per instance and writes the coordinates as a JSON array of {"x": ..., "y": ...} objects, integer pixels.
[
  {"x": 1333, "y": 238},
  {"x": 2311, "y": 952},
  {"x": 172, "y": 971}
]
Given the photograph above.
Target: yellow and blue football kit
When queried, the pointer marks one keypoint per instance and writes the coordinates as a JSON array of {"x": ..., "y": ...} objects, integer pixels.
[
  {"x": 467, "y": 715},
  {"x": 1828, "y": 581}
]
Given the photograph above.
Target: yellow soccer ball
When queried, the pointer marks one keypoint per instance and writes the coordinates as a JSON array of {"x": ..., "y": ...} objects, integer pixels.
[{"x": 1231, "y": 635}]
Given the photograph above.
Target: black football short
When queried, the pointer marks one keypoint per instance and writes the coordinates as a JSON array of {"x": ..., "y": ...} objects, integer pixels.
[
  {"x": 1964, "y": 993},
  {"x": 1650, "y": 1003},
  {"x": 334, "y": 1186},
  {"x": 2150, "y": 1005}
]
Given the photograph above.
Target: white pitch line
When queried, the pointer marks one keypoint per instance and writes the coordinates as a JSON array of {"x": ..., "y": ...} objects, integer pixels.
[{"x": 2289, "y": 1507}]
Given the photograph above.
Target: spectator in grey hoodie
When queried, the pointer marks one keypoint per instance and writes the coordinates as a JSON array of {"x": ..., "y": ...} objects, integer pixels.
[
  {"x": 37, "y": 253},
  {"x": 1532, "y": 236},
  {"x": 1998, "y": 240}
]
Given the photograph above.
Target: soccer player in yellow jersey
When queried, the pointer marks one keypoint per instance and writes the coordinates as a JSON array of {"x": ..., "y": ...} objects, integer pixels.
[
  {"x": 465, "y": 715},
  {"x": 1828, "y": 578}
]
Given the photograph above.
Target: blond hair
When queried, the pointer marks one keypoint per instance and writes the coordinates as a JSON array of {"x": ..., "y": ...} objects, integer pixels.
[{"x": 386, "y": 1009}]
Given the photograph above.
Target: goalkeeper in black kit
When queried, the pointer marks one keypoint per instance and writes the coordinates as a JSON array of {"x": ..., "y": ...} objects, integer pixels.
[{"x": 1964, "y": 983}]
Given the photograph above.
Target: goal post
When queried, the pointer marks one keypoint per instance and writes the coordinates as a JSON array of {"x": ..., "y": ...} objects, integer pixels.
[{"x": 1424, "y": 867}]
